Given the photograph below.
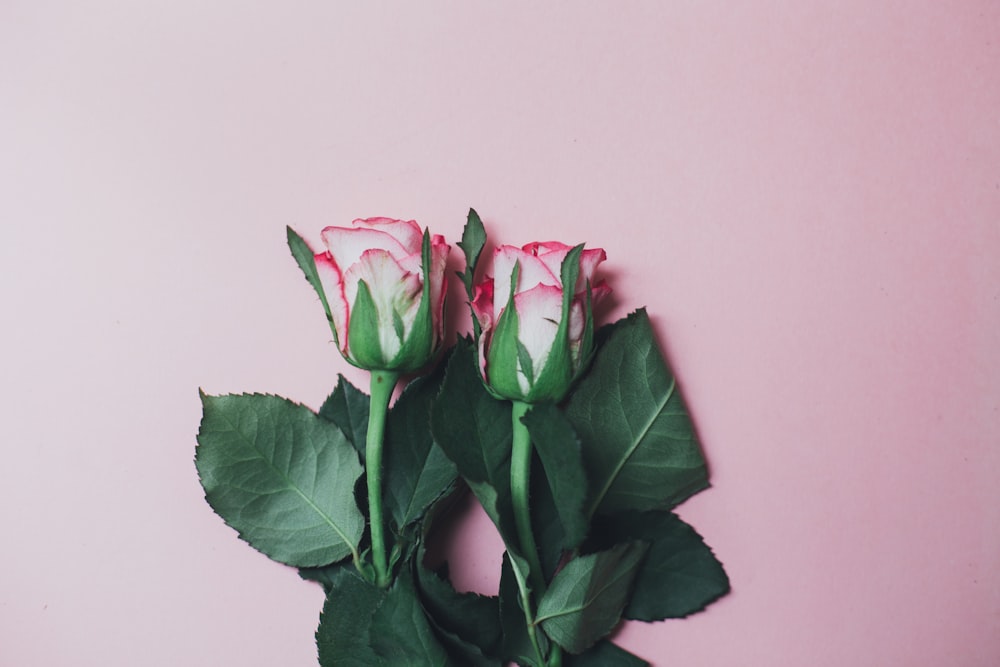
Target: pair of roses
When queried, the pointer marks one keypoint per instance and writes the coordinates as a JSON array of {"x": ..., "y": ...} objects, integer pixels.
[
  {"x": 384, "y": 284},
  {"x": 594, "y": 413}
]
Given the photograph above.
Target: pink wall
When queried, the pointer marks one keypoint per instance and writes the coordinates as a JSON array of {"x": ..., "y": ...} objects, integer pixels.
[{"x": 806, "y": 195}]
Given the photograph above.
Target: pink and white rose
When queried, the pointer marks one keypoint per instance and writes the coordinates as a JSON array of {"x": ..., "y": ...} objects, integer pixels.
[
  {"x": 537, "y": 333},
  {"x": 384, "y": 285}
]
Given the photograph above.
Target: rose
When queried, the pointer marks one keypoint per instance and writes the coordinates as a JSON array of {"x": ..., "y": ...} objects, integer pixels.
[
  {"x": 383, "y": 286},
  {"x": 537, "y": 319}
]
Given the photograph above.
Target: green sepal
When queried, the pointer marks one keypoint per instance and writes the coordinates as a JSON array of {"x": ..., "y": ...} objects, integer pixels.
[
  {"x": 555, "y": 378},
  {"x": 418, "y": 348},
  {"x": 305, "y": 258},
  {"x": 502, "y": 352},
  {"x": 363, "y": 342},
  {"x": 472, "y": 243}
]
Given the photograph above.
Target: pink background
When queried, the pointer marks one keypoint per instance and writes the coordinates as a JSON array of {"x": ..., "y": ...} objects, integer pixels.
[{"x": 806, "y": 195}]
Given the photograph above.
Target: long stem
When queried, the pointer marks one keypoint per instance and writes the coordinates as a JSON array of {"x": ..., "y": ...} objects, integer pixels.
[
  {"x": 382, "y": 384},
  {"x": 520, "y": 481}
]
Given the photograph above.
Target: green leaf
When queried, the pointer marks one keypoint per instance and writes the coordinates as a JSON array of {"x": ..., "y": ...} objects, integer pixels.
[
  {"x": 281, "y": 476},
  {"x": 680, "y": 575},
  {"x": 639, "y": 445},
  {"x": 326, "y": 576},
  {"x": 585, "y": 599},
  {"x": 516, "y": 645},
  {"x": 343, "y": 637},
  {"x": 347, "y": 407},
  {"x": 547, "y": 527},
  {"x": 474, "y": 431},
  {"x": 400, "y": 633},
  {"x": 468, "y": 623},
  {"x": 362, "y": 625},
  {"x": 473, "y": 240},
  {"x": 417, "y": 472},
  {"x": 604, "y": 654},
  {"x": 558, "y": 449}
]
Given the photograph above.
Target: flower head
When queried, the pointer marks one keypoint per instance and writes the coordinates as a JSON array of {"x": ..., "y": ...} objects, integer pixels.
[
  {"x": 537, "y": 319},
  {"x": 384, "y": 286}
]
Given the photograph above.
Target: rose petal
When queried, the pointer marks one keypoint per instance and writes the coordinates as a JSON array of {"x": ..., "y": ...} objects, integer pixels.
[
  {"x": 347, "y": 245},
  {"x": 482, "y": 303},
  {"x": 598, "y": 291},
  {"x": 589, "y": 260},
  {"x": 533, "y": 272},
  {"x": 407, "y": 232},
  {"x": 484, "y": 344},
  {"x": 544, "y": 247},
  {"x": 392, "y": 290},
  {"x": 333, "y": 288},
  {"x": 538, "y": 313},
  {"x": 551, "y": 254},
  {"x": 439, "y": 281}
]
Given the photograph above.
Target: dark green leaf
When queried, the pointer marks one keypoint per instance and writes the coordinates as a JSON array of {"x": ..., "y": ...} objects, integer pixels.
[
  {"x": 604, "y": 654},
  {"x": 468, "y": 623},
  {"x": 365, "y": 626},
  {"x": 516, "y": 644},
  {"x": 545, "y": 523},
  {"x": 400, "y": 633},
  {"x": 281, "y": 476},
  {"x": 680, "y": 575},
  {"x": 326, "y": 576},
  {"x": 474, "y": 431},
  {"x": 585, "y": 600},
  {"x": 343, "y": 637},
  {"x": 638, "y": 442},
  {"x": 416, "y": 470},
  {"x": 347, "y": 407},
  {"x": 559, "y": 451}
]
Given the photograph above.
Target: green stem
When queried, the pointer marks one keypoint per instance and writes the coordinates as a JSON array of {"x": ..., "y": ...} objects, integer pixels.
[
  {"x": 530, "y": 622},
  {"x": 520, "y": 481},
  {"x": 382, "y": 385}
]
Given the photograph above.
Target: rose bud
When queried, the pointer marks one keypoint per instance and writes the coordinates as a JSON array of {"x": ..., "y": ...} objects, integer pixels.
[
  {"x": 537, "y": 319},
  {"x": 384, "y": 284}
]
